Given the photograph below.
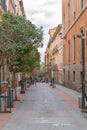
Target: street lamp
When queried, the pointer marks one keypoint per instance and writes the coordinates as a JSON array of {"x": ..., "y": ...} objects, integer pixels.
[
  {"x": 0, "y": 69},
  {"x": 0, "y": 77},
  {"x": 81, "y": 36},
  {"x": 51, "y": 73}
]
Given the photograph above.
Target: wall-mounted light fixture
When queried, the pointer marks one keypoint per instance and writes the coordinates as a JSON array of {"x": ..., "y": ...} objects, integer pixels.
[{"x": 82, "y": 36}]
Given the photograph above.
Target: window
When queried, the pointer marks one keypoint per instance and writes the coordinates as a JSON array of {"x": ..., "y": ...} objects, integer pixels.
[
  {"x": 68, "y": 75},
  {"x": 64, "y": 54},
  {"x": 12, "y": 0},
  {"x": 81, "y": 4},
  {"x": 64, "y": 21},
  {"x": 81, "y": 40},
  {"x": 68, "y": 14},
  {"x": 73, "y": 76},
  {"x": 69, "y": 52},
  {"x": 74, "y": 48},
  {"x": 81, "y": 77},
  {"x": 74, "y": 8}
]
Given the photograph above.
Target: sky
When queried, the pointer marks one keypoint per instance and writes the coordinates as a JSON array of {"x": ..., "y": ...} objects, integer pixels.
[{"x": 46, "y": 13}]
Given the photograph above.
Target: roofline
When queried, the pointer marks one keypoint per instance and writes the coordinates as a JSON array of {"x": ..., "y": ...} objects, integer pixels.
[{"x": 55, "y": 34}]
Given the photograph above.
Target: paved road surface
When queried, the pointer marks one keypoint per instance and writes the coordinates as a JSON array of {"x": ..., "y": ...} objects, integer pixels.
[{"x": 47, "y": 108}]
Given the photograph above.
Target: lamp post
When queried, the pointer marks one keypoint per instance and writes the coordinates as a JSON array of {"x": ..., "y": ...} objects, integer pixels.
[
  {"x": 0, "y": 77},
  {"x": 51, "y": 73},
  {"x": 81, "y": 36},
  {"x": 0, "y": 87},
  {"x": 46, "y": 76}
]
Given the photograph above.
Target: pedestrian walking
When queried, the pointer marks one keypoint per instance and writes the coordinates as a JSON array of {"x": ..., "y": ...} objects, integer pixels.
[
  {"x": 35, "y": 80},
  {"x": 30, "y": 79}
]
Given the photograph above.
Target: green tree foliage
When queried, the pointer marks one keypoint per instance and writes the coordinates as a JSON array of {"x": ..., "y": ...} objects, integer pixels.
[{"x": 19, "y": 40}]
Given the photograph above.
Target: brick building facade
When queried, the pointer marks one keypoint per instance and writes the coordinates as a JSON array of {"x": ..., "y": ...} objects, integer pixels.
[{"x": 74, "y": 14}]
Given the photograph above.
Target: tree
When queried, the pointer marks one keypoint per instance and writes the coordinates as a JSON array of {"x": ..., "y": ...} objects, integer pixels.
[{"x": 19, "y": 40}]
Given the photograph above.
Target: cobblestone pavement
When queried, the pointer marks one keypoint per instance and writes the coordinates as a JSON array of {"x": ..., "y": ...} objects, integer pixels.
[{"x": 47, "y": 108}]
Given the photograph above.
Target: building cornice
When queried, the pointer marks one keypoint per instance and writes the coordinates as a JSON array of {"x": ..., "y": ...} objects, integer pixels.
[
  {"x": 55, "y": 34},
  {"x": 22, "y": 7}
]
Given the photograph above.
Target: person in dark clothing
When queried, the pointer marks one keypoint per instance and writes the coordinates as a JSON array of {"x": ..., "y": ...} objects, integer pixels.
[
  {"x": 31, "y": 81},
  {"x": 35, "y": 80},
  {"x": 53, "y": 80}
]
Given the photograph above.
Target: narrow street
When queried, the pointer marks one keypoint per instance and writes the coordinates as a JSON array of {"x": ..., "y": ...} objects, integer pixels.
[{"x": 47, "y": 108}]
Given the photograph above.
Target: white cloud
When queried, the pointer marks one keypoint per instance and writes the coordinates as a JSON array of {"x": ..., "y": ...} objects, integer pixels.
[{"x": 46, "y": 13}]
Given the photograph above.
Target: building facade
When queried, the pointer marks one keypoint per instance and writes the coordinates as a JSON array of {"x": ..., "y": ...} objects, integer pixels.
[
  {"x": 74, "y": 25},
  {"x": 54, "y": 55},
  {"x": 3, "y": 7},
  {"x": 10, "y": 6},
  {"x": 19, "y": 8}
]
